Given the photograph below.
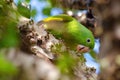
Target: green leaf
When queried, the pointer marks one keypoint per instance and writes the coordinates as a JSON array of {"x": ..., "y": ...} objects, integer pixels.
[
  {"x": 6, "y": 67},
  {"x": 47, "y": 11},
  {"x": 28, "y": 1},
  {"x": 66, "y": 63},
  {"x": 53, "y": 3},
  {"x": 33, "y": 13},
  {"x": 23, "y": 10},
  {"x": 9, "y": 36},
  {"x": 93, "y": 54}
]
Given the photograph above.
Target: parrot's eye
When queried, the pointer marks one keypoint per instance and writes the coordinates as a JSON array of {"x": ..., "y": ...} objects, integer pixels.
[{"x": 88, "y": 40}]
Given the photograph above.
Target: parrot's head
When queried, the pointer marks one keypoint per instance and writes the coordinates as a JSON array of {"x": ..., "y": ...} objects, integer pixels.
[
  {"x": 84, "y": 38},
  {"x": 86, "y": 43}
]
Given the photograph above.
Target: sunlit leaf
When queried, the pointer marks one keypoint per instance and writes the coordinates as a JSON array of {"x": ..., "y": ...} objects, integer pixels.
[
  {"x": 23, "y": 10},
  {"x": 27, "y": 1}
]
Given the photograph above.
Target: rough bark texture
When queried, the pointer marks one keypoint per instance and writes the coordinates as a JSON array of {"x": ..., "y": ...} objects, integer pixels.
[{"x": 108, "y": 15}]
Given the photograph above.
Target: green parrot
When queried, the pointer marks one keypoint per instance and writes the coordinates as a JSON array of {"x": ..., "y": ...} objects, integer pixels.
[{"x": 74, "y": 35}]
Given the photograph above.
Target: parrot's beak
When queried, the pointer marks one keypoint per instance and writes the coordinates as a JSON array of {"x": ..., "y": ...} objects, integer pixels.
[{"x": 82, "y": 49}]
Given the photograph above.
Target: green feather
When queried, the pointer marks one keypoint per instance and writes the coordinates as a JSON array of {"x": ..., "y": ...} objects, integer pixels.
[{"x": 70, "y": 30}]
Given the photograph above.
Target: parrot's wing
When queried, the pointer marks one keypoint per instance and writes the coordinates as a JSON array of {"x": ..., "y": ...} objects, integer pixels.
[
  {"x": 56, "y": 24},
  {"x": 61, "y": 17}
]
